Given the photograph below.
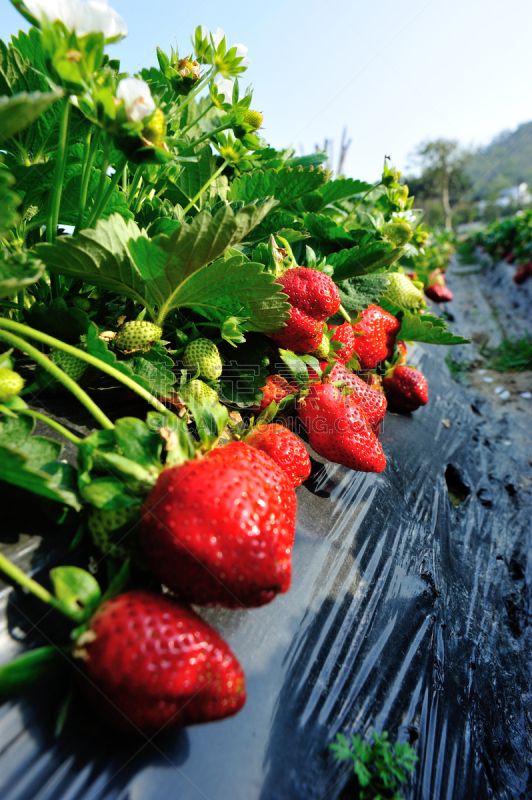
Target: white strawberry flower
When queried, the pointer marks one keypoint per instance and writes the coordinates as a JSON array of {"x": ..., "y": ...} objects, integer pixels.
[
  {"x": 241, "y": 51},
  {"x": 407, "y": 216},
  {"x": 224, "y": 87},
  {"x": 83, "y": 18},
  {"x": 137, "y": 98}
]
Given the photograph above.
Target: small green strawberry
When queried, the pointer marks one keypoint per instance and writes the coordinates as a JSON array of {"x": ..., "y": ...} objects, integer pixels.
[
  {"x": 137, "y": 335},
  {"x": 74, "y": 367},
  {"x": 402, "y": 292},
  {"x": 11, "y": 384},
  {"x": 399, "y": 233},
  {"x": 253, "y": 118},
  {"x": 82, "y": 303},
  {"x": 200, "y": 392},
  {"x": 322, "y": 351},
  {"x": 156, "y": 128},
  {"x": 203, "y": 354},
  {"x": 114, "y": 532}
]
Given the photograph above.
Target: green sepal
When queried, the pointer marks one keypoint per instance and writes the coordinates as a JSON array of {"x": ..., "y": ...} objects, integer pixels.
[
  {"x": 77, "y": 591},
  {"x": 31, "y": 669}
]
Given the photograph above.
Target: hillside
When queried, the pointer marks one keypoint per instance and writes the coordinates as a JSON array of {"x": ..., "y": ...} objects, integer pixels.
[{"x": 507, "y": 161}]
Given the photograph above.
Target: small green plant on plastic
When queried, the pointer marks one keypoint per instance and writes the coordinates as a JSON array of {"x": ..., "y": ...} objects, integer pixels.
[{"x": 379, "y": 767}]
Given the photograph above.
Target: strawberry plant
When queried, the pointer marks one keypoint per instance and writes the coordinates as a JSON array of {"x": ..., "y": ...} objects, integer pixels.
[{"x": 153, "y": 244}]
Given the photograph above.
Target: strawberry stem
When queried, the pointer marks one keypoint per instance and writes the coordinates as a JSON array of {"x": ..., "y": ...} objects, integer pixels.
[
  {"x": 205, "y": 186},
  {"x": 345, "y": 315},
  {"x": 16, "y": 574},
  {"x": 57, "y": 373},
  {"x": 52, "y": 423}
]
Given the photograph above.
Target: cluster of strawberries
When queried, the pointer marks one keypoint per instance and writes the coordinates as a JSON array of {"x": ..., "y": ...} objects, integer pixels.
[
  {"x": 436, "y": 289},
  {"x": 341, "y": 411},
  {"x": 218, "y": 530}
]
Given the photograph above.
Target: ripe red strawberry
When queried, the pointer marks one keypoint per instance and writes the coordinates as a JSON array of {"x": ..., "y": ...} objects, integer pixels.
[
  {"x": 406, "y": 389},
  {"x": 522, "y": 272},
  {"x": 313, "y": 297},
  {"x": 219, "y": 530},
  {"x": 285, "y": 448},
  {"x": 338, "y": 429},
  {"x": 440, "y": 294},
  {"x": 302, "y": 333},
  {"x": 276, "y": 389},
  {"x": 372, "y": 403},
  {"x": 380, "y": 329},
  {"x": 344, "y": 334},
  {"x": 151, "y": 663}
]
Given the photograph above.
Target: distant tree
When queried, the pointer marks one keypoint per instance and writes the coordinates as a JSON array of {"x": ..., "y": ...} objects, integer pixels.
[{"x": 443, "y": 175}]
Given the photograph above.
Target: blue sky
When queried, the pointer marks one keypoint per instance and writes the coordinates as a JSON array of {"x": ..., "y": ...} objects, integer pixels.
[{"x": 394, "y": 73}]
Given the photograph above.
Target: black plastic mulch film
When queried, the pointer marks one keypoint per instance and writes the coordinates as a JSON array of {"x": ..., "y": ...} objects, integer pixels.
[{"x": 406, "y": 614}]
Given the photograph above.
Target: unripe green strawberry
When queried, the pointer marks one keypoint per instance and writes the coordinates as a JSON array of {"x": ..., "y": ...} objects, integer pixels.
[
  {"x": 11, "y": 384},
  {"x": 137, "y": 335},
  {"x": 203, "y": 354},
  {"x": 399, "y": 233},
  {"x": 83, "y": 303},
  {"x": 323, "y": 350},
  {"x": 253, "y": 118},
  {"x": 74, "y": 367},
  {"x": 200, "y": 392},
  {"x": 114, "y": 532},
  {"x": 156, "y": 128},
  {"x": 402, "y": 292}
]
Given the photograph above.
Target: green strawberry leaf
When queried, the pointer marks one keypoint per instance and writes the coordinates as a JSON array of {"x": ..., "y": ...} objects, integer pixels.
[
  {"x": 31, "y": 462},
  {"x": 326, "y": 229},
  {"x": 109, "y": 494},
  {"x": 180, "y": 445},
  {"x": 235, "y": 287},
  {"x": 339, "y": 189},
  {"x": 20, "y": 110},
  {"x": 244, "y": 372},
  {"x": 168, "y": 263},
  {"x": 360, "y": 260},
  {"x": 156, "y": 367},
  {"x": 296, "y": 366},
  {"x": 427, "y": 328},
  {"x": 31, "y": 669},
  {"x": 358, "y": 293},
  {"x": 100, "y": 257},
  {"x": 192, "y": 178},
  {"x": 58, "y": 320},
  {"x": 17, "y": 271},
  {"x": 9, "y": 201},
  {"x": 210, "y": 421},
  {"x": 136, "y": 440},
  {"x": 23, "y": 69},
  {"x": 286, "y": 185},
  {"x": 76, "y": 590}
]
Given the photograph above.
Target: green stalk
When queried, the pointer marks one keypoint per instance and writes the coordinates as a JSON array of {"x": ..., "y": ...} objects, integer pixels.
[
  {"x": 25, "y": 330},
  {"x": 52, "y": 424},
  {"x": 110, "y": 189},
  {"x": 345, "y": 315},
  {"x": 59, "y": 174},
  {"x": 210, "y": 134},
  {"x": 351, "y": 213},
  {"x": 56, "y": 371},
  {"x": 206, "y": 186},
  {"x": 134, "y": 185},
  {"x": 23, "y": 580},
  {"x": 101, "y": 185},
  {"x": 86, "y": 178},
  {"x": 201, "y": 85},
  {"x": 16, "y": 574},
  {"x": 196, "y": 120}
]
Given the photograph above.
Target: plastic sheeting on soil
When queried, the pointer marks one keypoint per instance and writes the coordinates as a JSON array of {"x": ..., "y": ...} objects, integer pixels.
[{"x": 405, "y": 614}]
